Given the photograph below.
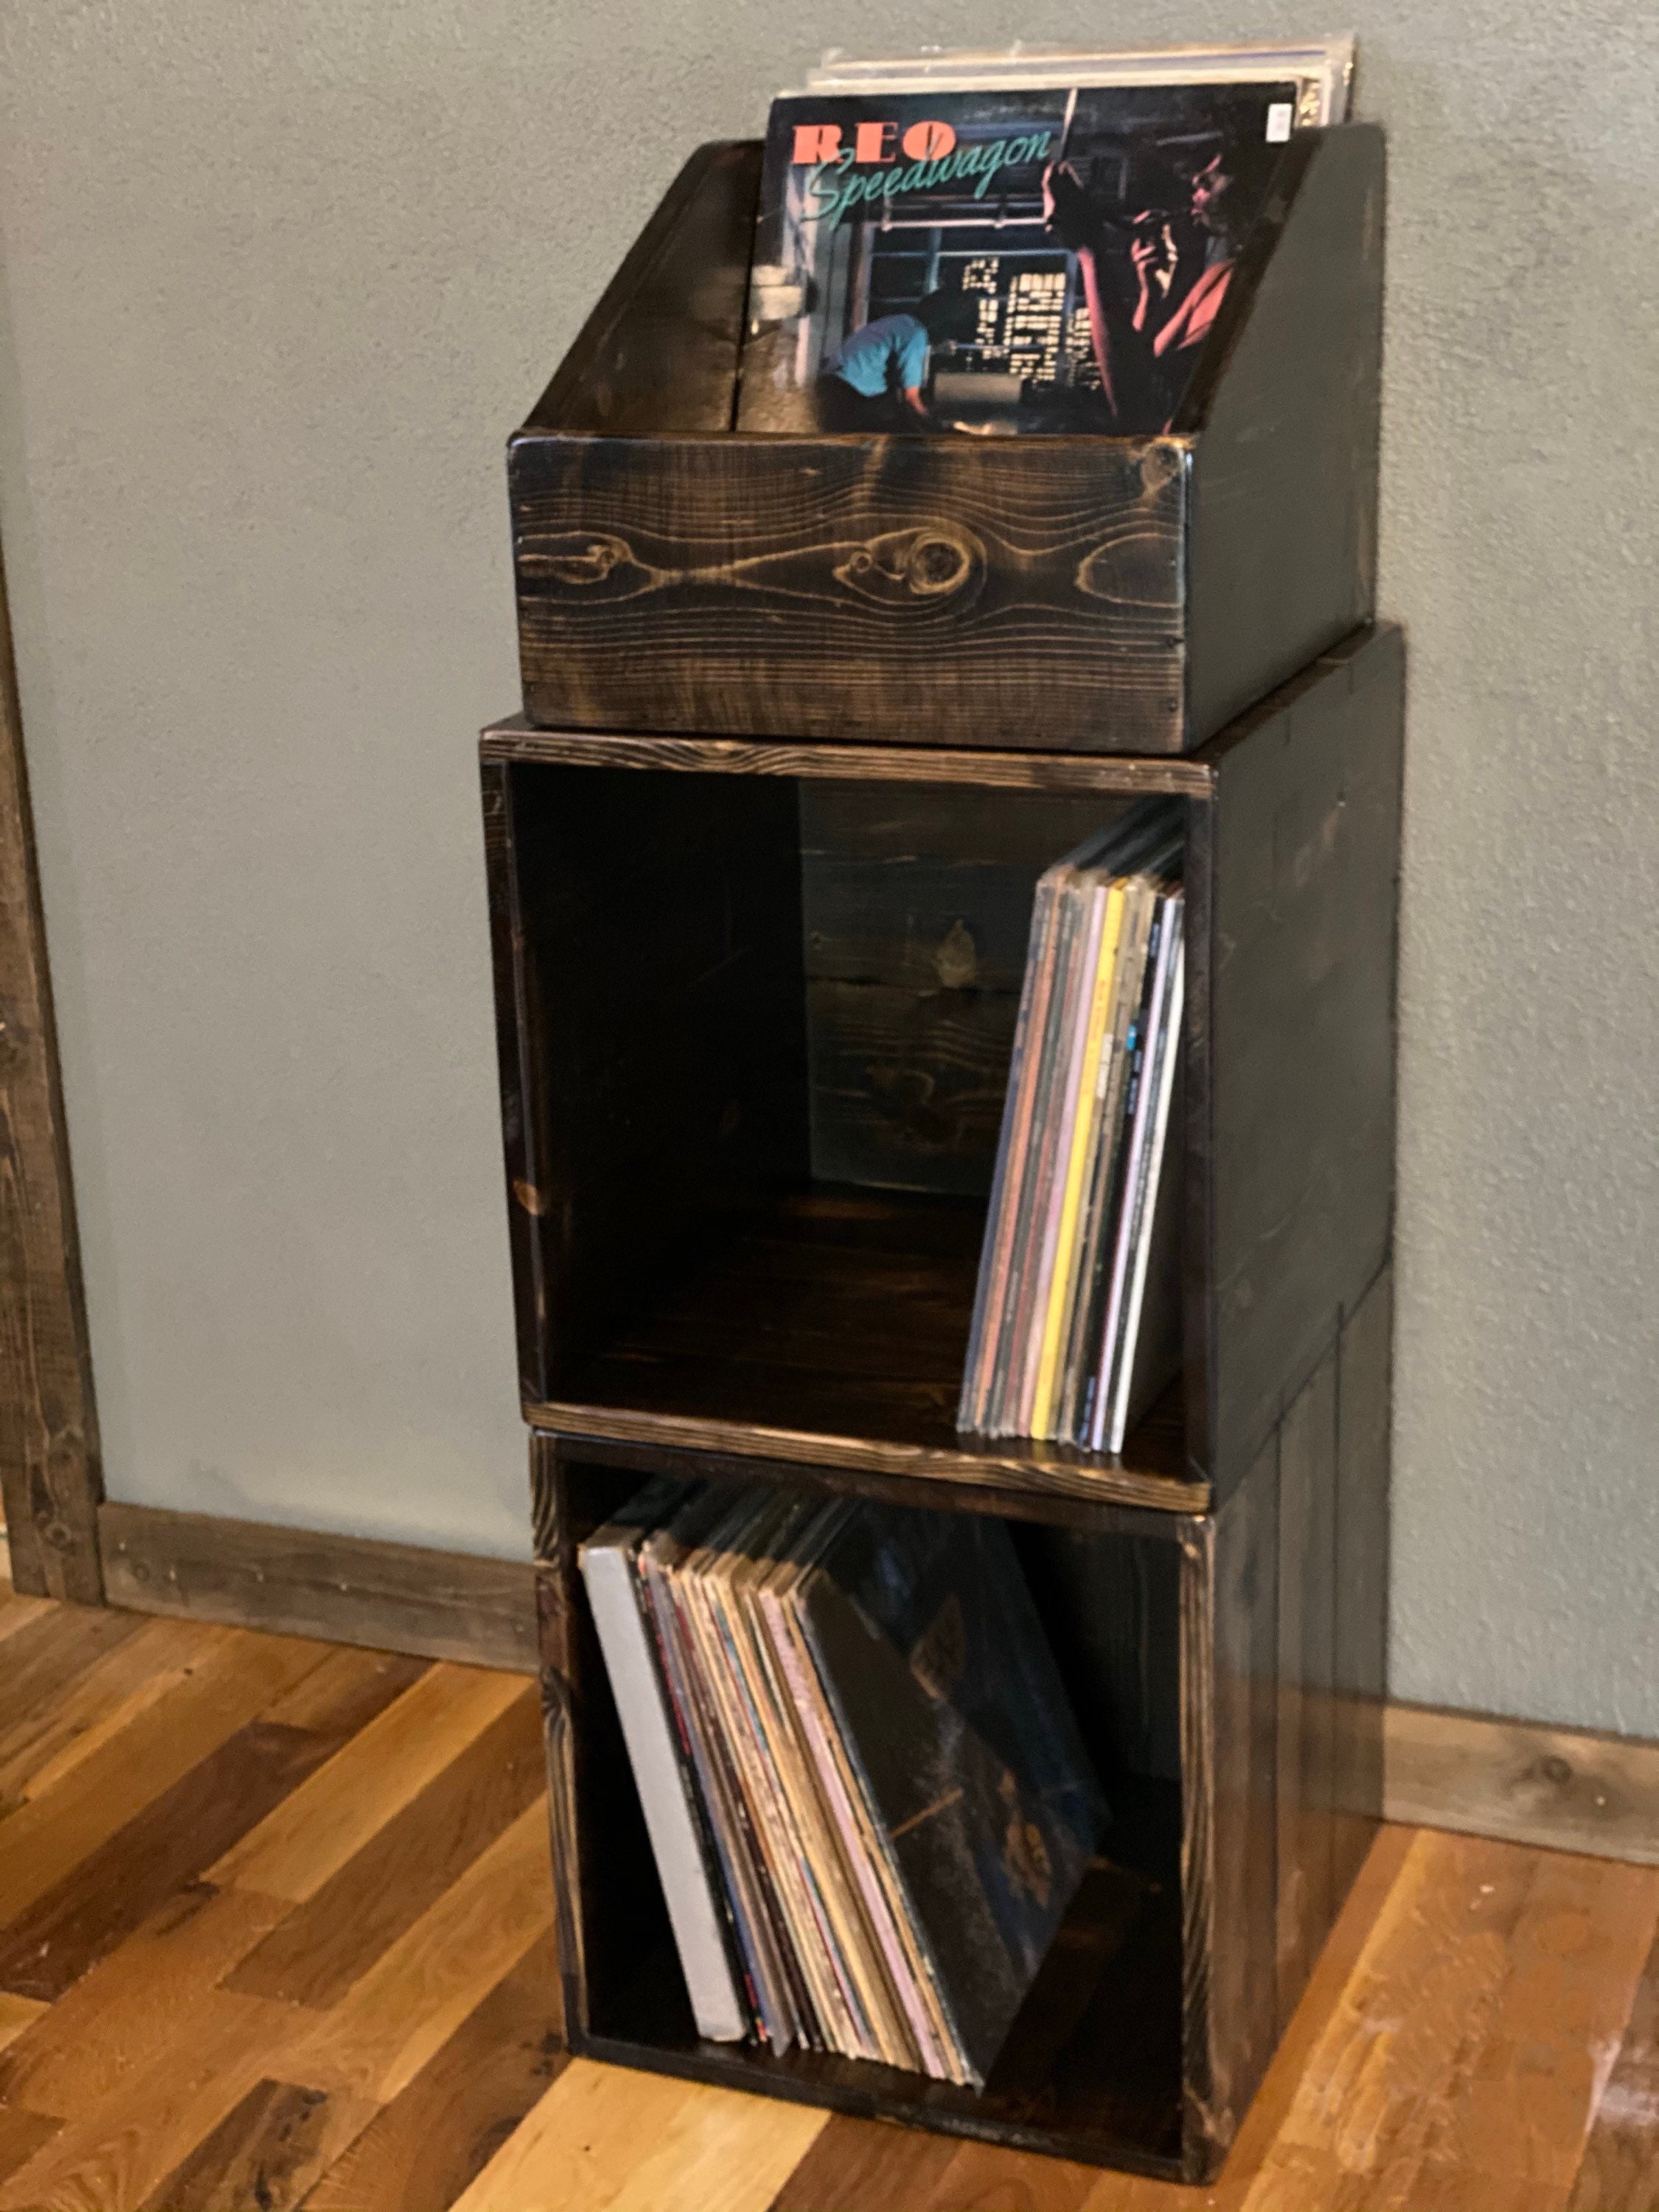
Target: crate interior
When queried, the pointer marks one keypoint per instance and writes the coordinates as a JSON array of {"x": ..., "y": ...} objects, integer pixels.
[
  {"x": 770, "y": 1022},
  {"x": 1093, "y": 2063}
]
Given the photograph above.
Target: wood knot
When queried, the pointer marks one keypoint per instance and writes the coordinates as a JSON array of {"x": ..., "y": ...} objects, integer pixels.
[
  {"x": 1158, "y": 465},
  {"x": 598, "y": 565},
  {"x": 957, "y": 958},
  {"x": 902, "y": 566},
  {"x": 1133, "y": 567},
  {"x": 14, "y": 1036}
]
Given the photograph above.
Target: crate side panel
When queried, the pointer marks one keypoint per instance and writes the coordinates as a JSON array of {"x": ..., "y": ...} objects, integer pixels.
[
  {"x": 1284, "y": 478},
  {"x": 1306, "y": 1747},
  {"x": 660, "y": 1026},
  {"x": 518, "y": 1107},
  {"x": 1364, "y": 1378},
  {"x": 1231, "y": 1707},
  {"x": 1301, "y": 1016},
  {"x": 659, "y": 351}
]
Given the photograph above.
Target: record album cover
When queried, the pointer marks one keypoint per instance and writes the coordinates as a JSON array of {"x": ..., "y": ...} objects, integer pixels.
[
  {"x": 932, "y": 1656},
  {"x": 1024, "y": 259}
]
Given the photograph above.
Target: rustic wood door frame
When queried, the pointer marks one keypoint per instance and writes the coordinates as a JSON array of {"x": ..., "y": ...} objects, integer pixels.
[{"x": 50, "y": 1475}]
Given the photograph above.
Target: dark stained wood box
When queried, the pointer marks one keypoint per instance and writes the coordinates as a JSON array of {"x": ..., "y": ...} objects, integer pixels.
[
  {"x": 755, "y": 1006},
  {"x": 1087, "y": 594}
]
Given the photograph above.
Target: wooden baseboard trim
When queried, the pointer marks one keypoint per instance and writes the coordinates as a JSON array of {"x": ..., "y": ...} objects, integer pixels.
[
  {"x": 1567, "y": 1790},
  {"x": 347, "y": 1589}
]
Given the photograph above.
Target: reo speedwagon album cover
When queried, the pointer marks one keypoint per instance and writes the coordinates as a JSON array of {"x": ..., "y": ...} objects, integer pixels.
[{"x": 999, "y": 261}]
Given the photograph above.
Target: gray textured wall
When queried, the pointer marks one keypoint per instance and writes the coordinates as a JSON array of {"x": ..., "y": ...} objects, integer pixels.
[{"x": 276, "y": 284}]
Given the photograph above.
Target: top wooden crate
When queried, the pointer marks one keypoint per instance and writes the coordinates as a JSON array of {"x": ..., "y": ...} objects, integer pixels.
[{"x": 1087, "y": 594}]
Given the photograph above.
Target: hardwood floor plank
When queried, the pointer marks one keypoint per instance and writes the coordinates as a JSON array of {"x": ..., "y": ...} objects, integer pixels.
[
  {"x": 1344, "y": 1948},
  {"x": 22, "y": 2134},
  {"x": 298, "y": 1848},
  {"x": 40, "y": 1747},
  {"x": 983, "y": 2177},
  {"x": 392, "y": 2020},
  {"x": 852, "y": 2166},
  {"x": 1490, "y": 1969},
  {"x": 1619, "y": 2169},
  {"x": 47, "y": 1652},
  {"x": 16, "y": 1613},
  {"x": 442, "y": 2129},
  {"x": 1303, "y": 2181},
  {"x": 265, "y": 2153},
  {"x": 136, "y": 2004},
  {"x": 112, "y": 2159},
  {"x": 378, "y": 2032},
  {"x": 336, "y": 1934},
  {"x": 17, "y": 2014},
  {"x": 606, "y": 2139},
  {"x": 112, "y": 1891},
  {"x": 1526, "y": 2106},
  {"x": 42, "y": 1841},
  {"x": 349, "y": 1689}
]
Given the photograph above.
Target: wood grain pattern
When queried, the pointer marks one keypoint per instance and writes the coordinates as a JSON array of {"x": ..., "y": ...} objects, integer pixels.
[
  {"x": 399, "y": 1597},
  {"x": 442, "y": 2130},
  {"x": 109, "y": 1891},
  {"x": 266, "y": 2151},
  {"x": 393, "y": 2018},
  {"x": 52, "y": 1741},
  {"x": 915, "y": 913},
  {"x": 16, "y": 2014},
  {"x": 45, "y": 1838},
  {"x": 1038, "y": 1470},
  {"x": 888, "y": 587},
  {"x": 49, "y": 1477},
  {"x": 1477, "y": 2035},
  {"x": 1566, "y": 1789},
  {"x": 22, "y": 2134},
  {"x": 16, "y": 1613},
  {"x": 120, "y": 2151},
  {"x": 515, "y": 739},
  {"x": 321, "y": 1826},
  {"x": 851, "y": 2164},
  {"x": 135, "y": 2003},
  {"x": 46, "y": 1660},
  {"x": 413, "y": 1858},
  {"x": 1466, "y": 2045},
  {"x": 603, "y": 2138},
  {"x": 1619, "y": 2169}
]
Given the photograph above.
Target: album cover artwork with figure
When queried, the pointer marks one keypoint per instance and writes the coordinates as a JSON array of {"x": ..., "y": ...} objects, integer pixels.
[{"x": 997, "y": 262}]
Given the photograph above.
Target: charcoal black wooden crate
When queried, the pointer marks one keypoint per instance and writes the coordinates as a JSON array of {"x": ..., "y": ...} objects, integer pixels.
[
  {"x": 1066, "y": 594},
  {"x": 755, "y": 1003}
]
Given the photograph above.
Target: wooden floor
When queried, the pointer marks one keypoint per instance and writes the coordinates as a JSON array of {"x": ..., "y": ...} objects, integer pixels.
[{"x": 274, "y": 1932}]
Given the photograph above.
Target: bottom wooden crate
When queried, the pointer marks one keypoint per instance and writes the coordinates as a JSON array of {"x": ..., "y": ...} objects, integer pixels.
[{"x": 1226, "y": 1671}]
